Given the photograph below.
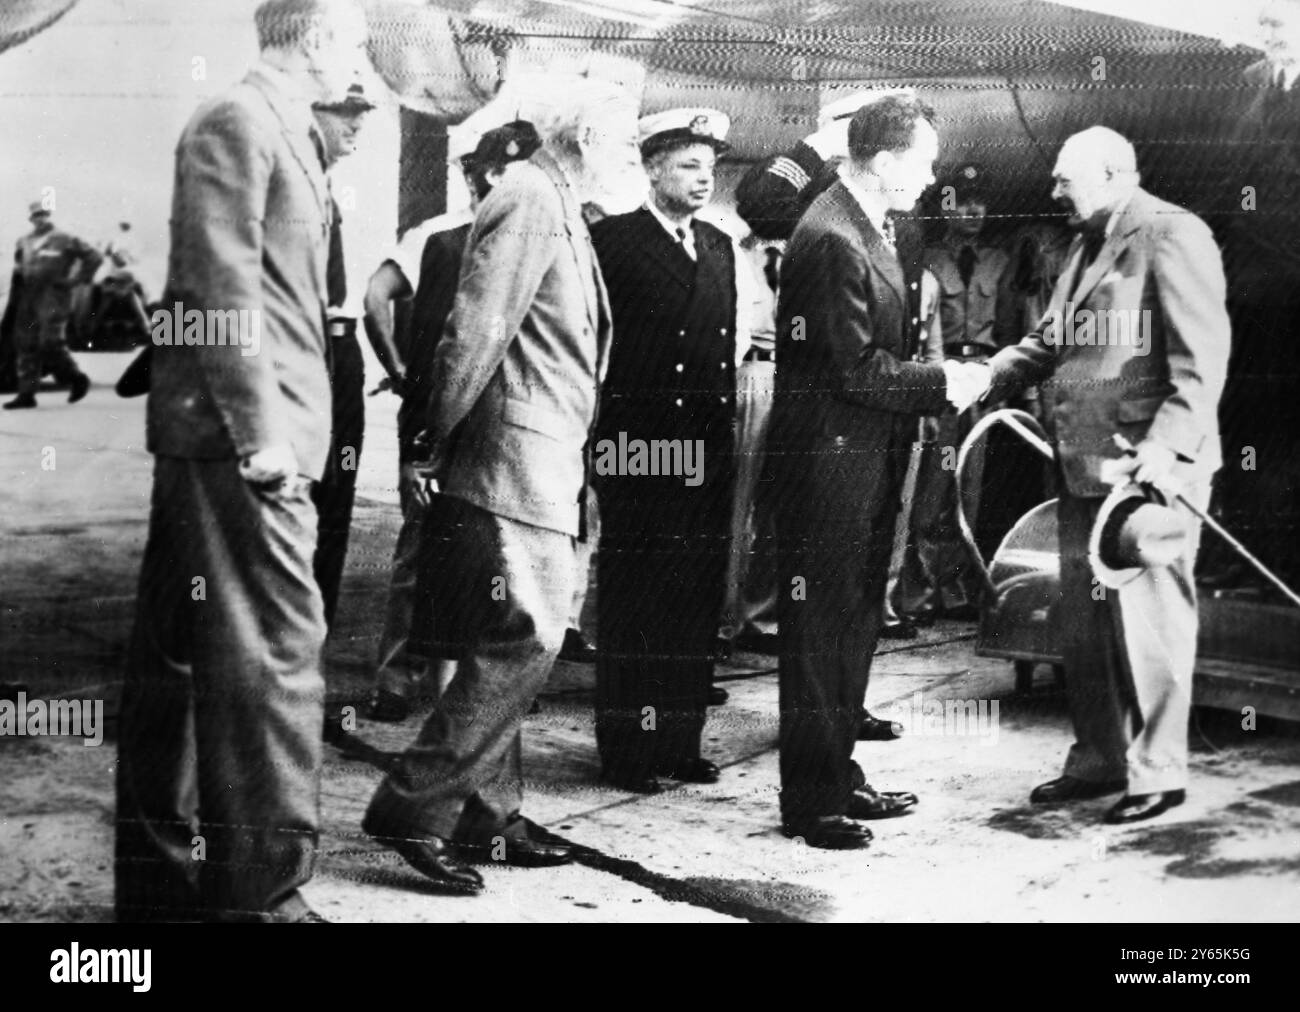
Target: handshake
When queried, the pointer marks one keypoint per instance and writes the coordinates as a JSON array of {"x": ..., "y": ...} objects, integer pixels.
[{"x": 967, "y": 382}]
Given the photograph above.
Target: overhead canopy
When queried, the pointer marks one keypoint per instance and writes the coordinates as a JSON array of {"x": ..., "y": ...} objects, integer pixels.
[{"x": 21, "y": 19}]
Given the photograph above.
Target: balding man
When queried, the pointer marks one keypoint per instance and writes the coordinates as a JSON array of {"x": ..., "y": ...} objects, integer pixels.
[{"x": 1128, "y": 653}]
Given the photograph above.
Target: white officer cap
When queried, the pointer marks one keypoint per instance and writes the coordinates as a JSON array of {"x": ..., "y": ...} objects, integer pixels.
[{"x": 675, "y": 128}]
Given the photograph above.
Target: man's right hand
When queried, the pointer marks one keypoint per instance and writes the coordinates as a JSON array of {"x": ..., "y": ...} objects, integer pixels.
[
  {"x": 270, "y": 466},
  {"x": 413, "y": 485}
]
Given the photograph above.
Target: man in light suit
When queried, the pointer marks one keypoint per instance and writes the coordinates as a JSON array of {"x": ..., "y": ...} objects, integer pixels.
[
  {"x": 515, "y": 384},
  {"x": 848, "y": 399},
  {"x": 219, "y": 757},
  {"x": 1135, "y": 342}
]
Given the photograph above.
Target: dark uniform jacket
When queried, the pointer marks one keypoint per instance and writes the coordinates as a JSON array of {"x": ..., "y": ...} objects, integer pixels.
[{"x": 672, "y": 369}]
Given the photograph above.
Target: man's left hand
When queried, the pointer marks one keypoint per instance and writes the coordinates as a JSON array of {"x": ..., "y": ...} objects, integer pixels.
[{"x": 1150, "y": 464}]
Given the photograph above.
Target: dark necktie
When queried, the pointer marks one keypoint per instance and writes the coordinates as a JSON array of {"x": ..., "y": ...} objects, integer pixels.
[
  {"x": 889, "y": 233},
  {"x": 966, "y": 265},
  {"x": 772, "y": 267},
  {"x": 336, "y": 280}
]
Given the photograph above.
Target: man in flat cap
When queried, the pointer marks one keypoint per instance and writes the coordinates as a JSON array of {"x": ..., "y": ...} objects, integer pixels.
[
  {"x": 1135, "y": 343},
  {"x": 938, "y": 578},
  {"x": 47, "y": 263},
  {"x": 425, "y": 268},
  {"x": 674, "y": 286},
  {"x": 516, "y": 379},
  {"x": 339, "y": 120}
]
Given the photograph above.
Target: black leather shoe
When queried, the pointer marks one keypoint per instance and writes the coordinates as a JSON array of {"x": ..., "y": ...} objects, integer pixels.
[
  {"x": 634, "y": 783},
  {"x": 721, "y": 649},
  {"x": 80, "y": 386},
  {"x": 517, "y": 852},
  {"x": 873, "y": 804},
  {"x": 389, "y": 707},
  {"x": 903, "y": 630},
  {"x": 962, "y": 613},
  {"x": 695, "y": 771},
  {"x": 830, "y": 832},
  {"x": 429, "y": 856},
  {"x": 1069, "y": 788},
  {"x": 718, "y": 695},
  {"x": 920, "y": 619},
  {"x": 1136, "y": 807},
  {"x": 875, "y": 729},
  {"x": 768, "y": 644},
  {"x": 21, "y": 401},
  {"x": 576, "y": 650}
]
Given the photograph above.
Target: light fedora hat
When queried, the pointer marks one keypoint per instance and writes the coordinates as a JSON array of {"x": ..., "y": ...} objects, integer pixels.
[{"x": 1136, "y": 530}]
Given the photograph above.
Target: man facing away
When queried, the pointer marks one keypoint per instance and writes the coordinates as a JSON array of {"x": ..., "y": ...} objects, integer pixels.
[
  {"x": 516, "y": 379},
  {"x": 218, "y": 781}
]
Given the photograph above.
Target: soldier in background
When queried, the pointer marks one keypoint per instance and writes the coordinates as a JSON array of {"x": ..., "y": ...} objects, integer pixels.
[
  {"x": 939, "y": 578},
  {"x": 47, "y": 263}
]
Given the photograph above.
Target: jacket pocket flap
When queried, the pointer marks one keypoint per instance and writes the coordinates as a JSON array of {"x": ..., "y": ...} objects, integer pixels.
[
  {"x": 1139, "y": 409},
  {"x": 534, "y": 417}
]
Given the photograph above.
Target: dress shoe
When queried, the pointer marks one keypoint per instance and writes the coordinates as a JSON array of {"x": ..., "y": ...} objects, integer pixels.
[
  {"x": 21, "y": 401},
  {"x": 721, "y": 649},
  {"x": 694, "y": 771},
  {"x": 830, "y": 832},
  {"x": 389, "y": 707},
  {"x": 576, "y": 650},
  {"x": 903, "y": 630},
  {"x": 80, "y": 385},
  {"x": 535, "y": 708},
  {"x": 1069, "y": 788},
  {"x": 875, "y": 729},
  {"x": 962, "y": 613},
  {"x": 517, "y": 852},
  {"x": 768, "y": 644},
  {"x": 635, "y": 783},
  {"x": 920, "y": 619},
  {"x": 872, "y": 804},
  {"x": 1136, "y": 807},
  {"x": 718, "y": 695},
  {"x": 428, "y": 855}
]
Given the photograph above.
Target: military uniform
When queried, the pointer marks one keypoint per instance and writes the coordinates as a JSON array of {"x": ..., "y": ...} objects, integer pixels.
[{"x": 46, "y": 264}]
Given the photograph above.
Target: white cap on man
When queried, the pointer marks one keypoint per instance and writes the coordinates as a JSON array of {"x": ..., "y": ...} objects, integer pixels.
[{"x": 674, "y": 128}]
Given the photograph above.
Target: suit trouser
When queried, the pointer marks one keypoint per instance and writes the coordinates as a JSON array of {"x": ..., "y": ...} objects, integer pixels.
[
  {"x": 334, "y": 496},
  {"x": 463, "y": 778},
  {"x": 399, "y": 671},
  {"x": 221, "y": 711},
  {"x": 937, "y": 568},
  {"x": 750, "y": 604},
  {"x": 41, "y": 344},
  {"x": 1128, "y": 658},
  {"x": 827, "y": 642}
]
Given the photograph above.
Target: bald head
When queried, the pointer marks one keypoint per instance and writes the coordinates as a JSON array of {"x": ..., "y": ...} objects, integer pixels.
[{"x": 1095, "y": 173}]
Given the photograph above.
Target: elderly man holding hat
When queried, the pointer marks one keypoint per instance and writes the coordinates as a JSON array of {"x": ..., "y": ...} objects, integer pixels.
[
  {"x": 47, "y": 263},
  {"x": 1134, "y": 344},
  {"x": 674, "y": 288}
]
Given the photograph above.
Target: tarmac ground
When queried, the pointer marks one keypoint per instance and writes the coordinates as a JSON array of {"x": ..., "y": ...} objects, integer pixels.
[{"x": 73, "y": 516}]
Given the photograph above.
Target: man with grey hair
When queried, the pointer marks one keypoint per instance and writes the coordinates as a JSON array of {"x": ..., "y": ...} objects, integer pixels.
[
  {"x": 1129, "y": 652},
  {"x": 223, "y": 700},
  {"x": 515, "y": 383}
]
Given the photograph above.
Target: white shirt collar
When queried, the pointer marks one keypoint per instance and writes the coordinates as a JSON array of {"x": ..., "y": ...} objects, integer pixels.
[{"x": 688, "y": 242}]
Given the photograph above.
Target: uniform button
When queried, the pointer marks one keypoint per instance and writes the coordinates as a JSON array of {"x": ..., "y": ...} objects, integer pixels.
[
  {"x": 681, "y": 333},
  {"x": 722, "y": 364},
  {"x": 723, "y": 331},
  {"x": 914, "y": 286},
  {"x": 722, "y": 400},
  {"x": 679, "y": 367},
  {"x": 915, "y": 320},
  {"x": 678, "y": 402}
]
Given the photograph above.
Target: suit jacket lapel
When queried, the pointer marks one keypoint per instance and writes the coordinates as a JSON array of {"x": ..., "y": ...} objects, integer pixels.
[
  {"x": 1130, "y": 220},
  {"x": 883, "y": 259},
  {"x": 297, "y": 133}
]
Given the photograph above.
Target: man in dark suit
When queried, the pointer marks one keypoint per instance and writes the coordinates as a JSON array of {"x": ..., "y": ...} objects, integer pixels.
[
  {"x": 219, "y": 754},
  {"x": 516, "y": 378},
  {"x": 848, "y": 396},
  {"x": 674, "y": 290},
  {"x": 1146, "y": 280}
]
